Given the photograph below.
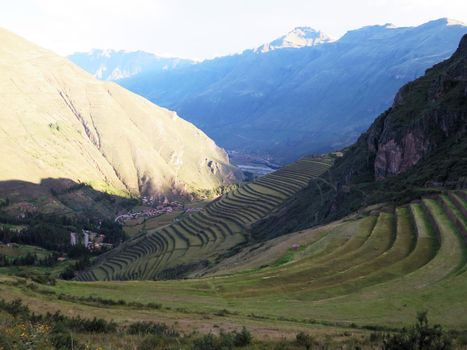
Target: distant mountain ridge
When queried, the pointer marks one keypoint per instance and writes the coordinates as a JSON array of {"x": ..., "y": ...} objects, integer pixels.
[
  {"x": 289, "y": 102},
  {"x": 58, "y": 121},
  {"x": 115, "y": 65}
]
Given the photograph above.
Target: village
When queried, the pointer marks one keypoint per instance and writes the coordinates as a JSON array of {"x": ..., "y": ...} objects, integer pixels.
[
  {"x": 150, "y": 212},
  {"x": 94, "y": 241}
]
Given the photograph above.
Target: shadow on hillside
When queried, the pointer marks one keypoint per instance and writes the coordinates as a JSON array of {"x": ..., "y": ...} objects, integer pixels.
[{"x": 59, "y": 196}]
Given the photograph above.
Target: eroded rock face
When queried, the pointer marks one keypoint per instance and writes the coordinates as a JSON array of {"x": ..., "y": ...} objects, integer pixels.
[
  {"x": 395, "y": 153},
  {"x": 393, "y": 158}
]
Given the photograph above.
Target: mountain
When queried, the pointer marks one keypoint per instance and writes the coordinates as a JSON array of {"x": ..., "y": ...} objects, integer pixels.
[
  {"x": 115, "y": 65},
  {"x": 416, "y": 147},
  {"x": 415, "y": 150},
  {"x": 297, "y": 38},
  {"x": 57, "y": 121},
  {"x": 291, "y": 102}
]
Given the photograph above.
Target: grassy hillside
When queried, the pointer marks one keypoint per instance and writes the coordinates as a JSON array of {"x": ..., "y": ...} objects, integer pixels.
[
  {"x": 60, "y": 122},
  {"x": 202, "y": 238},
  {"x": 370, "y": 271}
]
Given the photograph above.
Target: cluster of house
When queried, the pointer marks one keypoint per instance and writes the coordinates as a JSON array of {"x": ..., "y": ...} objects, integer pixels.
[
  {"x": 91, "y": 240},
  {"x": 193, "y": 210},
  {"x": 164, "y": 208}
]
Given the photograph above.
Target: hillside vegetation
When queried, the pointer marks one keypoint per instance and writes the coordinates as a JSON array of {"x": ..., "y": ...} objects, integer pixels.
[
  {"x": 59, "y": 122},
  {"x": 202, "y": 238}
]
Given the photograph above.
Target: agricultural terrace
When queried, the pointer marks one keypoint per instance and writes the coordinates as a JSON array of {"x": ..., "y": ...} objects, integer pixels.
[{"x": 195, "y": 240}]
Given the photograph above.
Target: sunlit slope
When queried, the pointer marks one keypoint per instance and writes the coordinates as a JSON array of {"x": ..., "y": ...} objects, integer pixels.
[
  {"x": 57, "y": 121},
  {"x": 194, "y": 242}
]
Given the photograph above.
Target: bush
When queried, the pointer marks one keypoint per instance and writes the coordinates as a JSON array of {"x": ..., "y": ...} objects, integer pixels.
[
  {"x": 422, "y": 336},
  {"x": 78, "y": 324},
  {"x": 15, "y": 308},
  {"x": 225, "y": 341},
  {"x": 206, "y": 342},
  {"x": 152, "y": 342},
  {"x": 62, "y": 339},
  {"x": 304, "y": 340},
  {"x": 153, "y": 328},
  {"x": 68, "y": 274},
  {"x": 242, "y": 338}
]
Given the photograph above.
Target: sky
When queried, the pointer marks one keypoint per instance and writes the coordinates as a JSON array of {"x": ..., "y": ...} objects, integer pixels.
[{"x": 201, "y": 29}]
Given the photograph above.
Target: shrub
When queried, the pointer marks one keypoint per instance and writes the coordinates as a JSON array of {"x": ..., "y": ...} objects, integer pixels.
[
  {"x": 61, "y": 338},
  {"x": 206, "y": 342},
  {"x": 422, "y": 336},
  {"x": 304, "y": 340},
  {"x": 15, "y": 308},
  {"x": 225, "y": 341},
  {"x": 243, "y": 338},
  {"x": 152, "y": 342},
  {"x": 68, "y": 274},
  {"x": 78, "y": 324},
  {"x": 153, "y": 328}
]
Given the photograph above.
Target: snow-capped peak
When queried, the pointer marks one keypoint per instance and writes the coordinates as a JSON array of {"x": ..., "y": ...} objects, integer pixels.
[
  {"x": 454, "y": 22},
  {"x": 297, "y": 38}
]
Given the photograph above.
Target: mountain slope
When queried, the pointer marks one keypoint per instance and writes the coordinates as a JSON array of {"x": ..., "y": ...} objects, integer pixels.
[
  {"x": 418, "y": 145},
  {"x": 115, "y": 65},
  {"x": 290, "y": 102},
  {"x": 59, "y": 122}
]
